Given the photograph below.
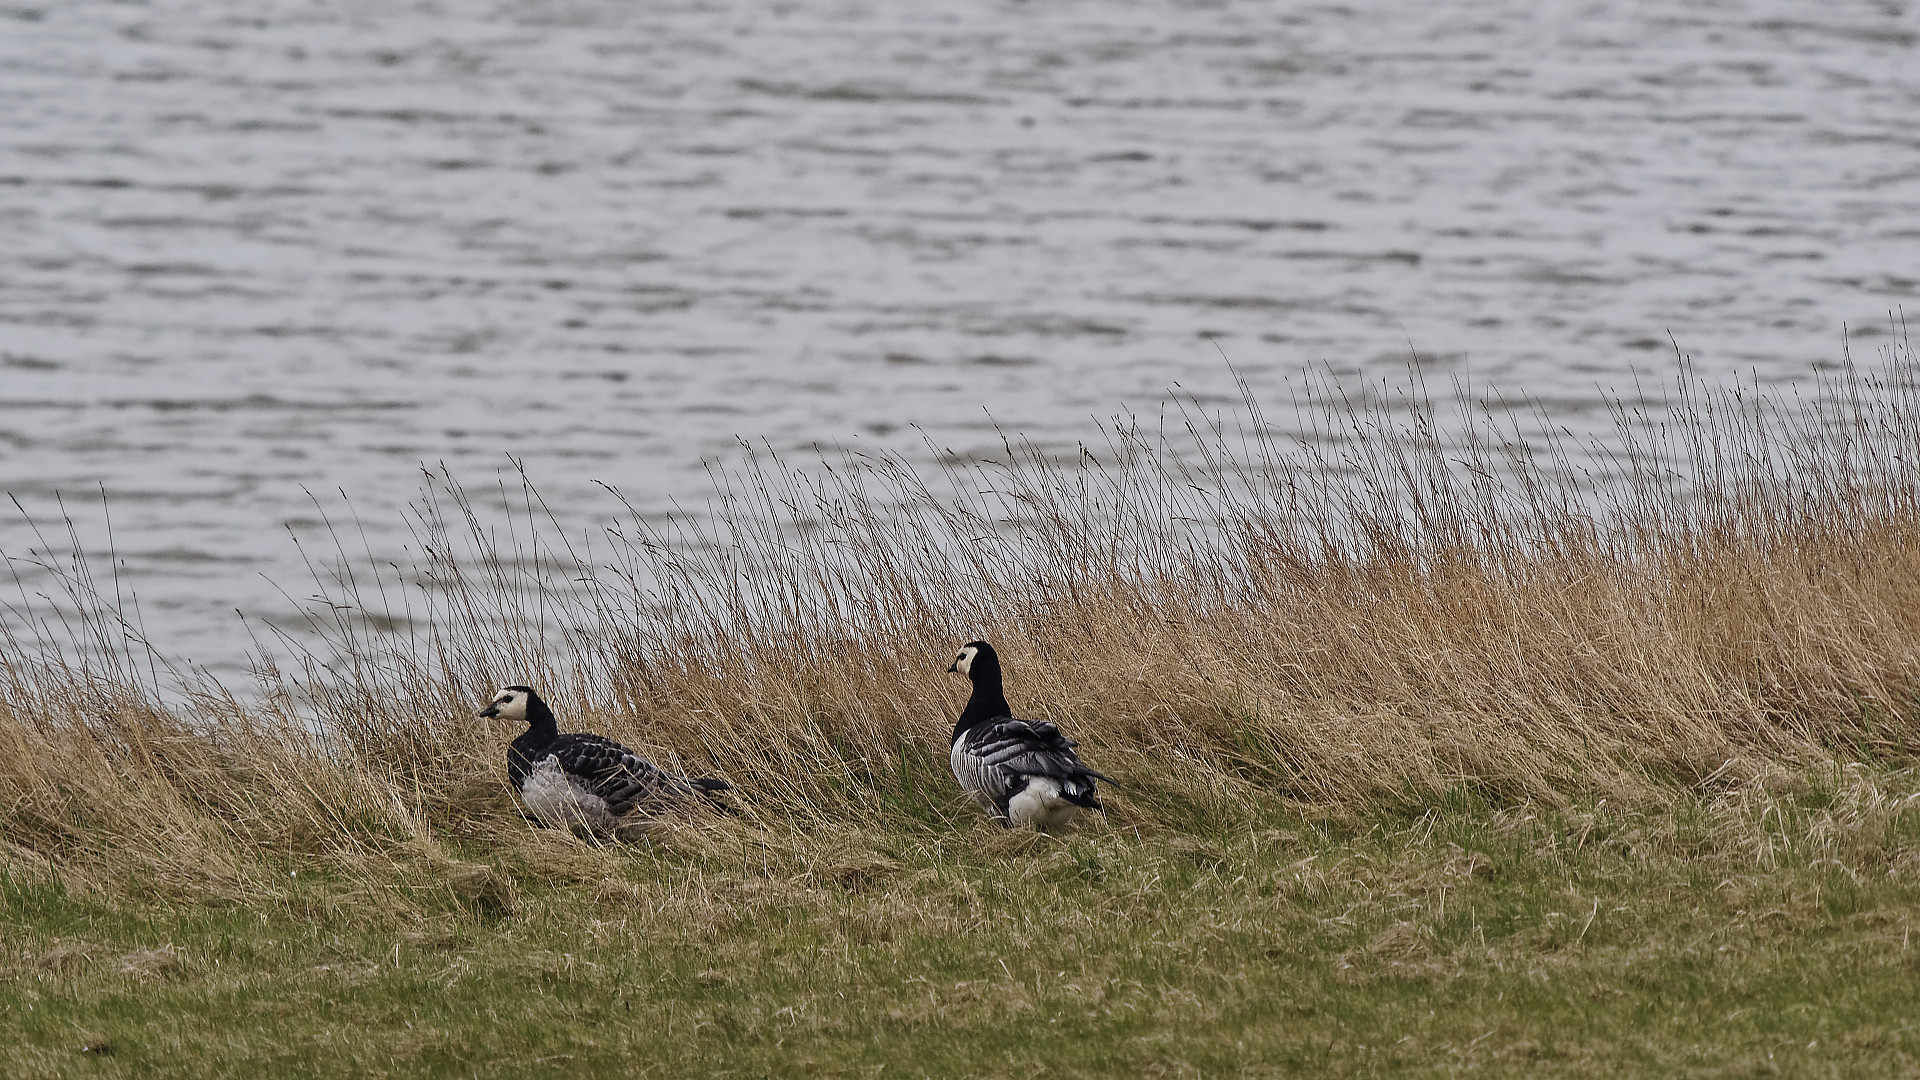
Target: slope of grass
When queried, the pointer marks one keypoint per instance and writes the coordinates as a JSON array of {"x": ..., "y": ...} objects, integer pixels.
[
  {"x": 1744, "y": 932},
  {"x": 1740, "y": 934},
  {"x": 1436, "y": 754}
]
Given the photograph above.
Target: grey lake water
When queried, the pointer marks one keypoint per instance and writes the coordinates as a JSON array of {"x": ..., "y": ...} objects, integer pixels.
[{"x": 254, "y": 250}]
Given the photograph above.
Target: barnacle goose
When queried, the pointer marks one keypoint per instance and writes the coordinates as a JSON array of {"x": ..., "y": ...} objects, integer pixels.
[
  {"x": 1023, "y": 772},
  {"x": 577, "y": 780}
]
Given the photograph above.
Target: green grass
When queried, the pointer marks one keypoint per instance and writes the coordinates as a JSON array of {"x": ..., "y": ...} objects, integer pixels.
[{"x": 1728, "y": 936}]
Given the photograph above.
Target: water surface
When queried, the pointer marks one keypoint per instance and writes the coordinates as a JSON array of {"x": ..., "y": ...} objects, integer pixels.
[{"x": 250, "y": 251}]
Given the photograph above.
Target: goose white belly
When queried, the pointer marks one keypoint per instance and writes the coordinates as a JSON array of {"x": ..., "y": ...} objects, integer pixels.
[
  {"x": 1039, "y": 804},
  {"x": 557, "y": 799}
]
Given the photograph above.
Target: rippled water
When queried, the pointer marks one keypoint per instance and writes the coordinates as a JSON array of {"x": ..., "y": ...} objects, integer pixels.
[{"x": 253, "y": 249}]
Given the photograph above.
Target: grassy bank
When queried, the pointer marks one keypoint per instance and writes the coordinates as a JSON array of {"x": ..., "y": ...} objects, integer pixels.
[
  {"x": 1750, "y": 935},
  {"x": 1436, "y": 752}
]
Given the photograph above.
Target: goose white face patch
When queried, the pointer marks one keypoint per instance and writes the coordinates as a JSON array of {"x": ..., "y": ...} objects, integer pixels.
[
  {"x": 509, "y": 705},
  {"x": 964, "y": 662}
]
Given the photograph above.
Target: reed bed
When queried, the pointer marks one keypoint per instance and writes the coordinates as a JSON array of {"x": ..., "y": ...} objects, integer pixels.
[{"x": 1384, "y": 608}]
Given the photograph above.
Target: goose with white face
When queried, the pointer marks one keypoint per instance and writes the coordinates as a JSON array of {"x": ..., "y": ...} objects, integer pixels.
[
  {"x": 1023, "y": 772},
  {"x": 587, "y": 783}
]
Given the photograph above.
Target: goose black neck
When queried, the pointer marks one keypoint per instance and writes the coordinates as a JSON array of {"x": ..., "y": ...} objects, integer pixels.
[
  {"x": 541, "y": 729},
  {"x": 540, "y": 722},
  {"x": 989, "y": 699}
]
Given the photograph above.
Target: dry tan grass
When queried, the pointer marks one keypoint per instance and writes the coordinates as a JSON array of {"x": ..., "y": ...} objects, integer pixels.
[{"x": 1378, "y": 614}]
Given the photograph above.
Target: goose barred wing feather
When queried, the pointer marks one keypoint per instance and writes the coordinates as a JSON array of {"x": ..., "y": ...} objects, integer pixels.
[
  {"x": 1004, "y": 752},
  {"x": 618, "y": 775}
]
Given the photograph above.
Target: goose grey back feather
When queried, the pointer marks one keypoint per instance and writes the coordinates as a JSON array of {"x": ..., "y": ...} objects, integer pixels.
[
  {"x": 619, "y": 777},
  {"x": 996, "y": 760}
]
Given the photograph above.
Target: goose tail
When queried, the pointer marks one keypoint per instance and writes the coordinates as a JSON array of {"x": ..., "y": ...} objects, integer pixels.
[{"x": 710, "y": 787}]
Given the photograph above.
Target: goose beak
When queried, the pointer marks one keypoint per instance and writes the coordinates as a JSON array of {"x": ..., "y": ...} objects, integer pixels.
[
  {"x": 491, "y": 710},
  {"x": 953, "y": 668}
]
